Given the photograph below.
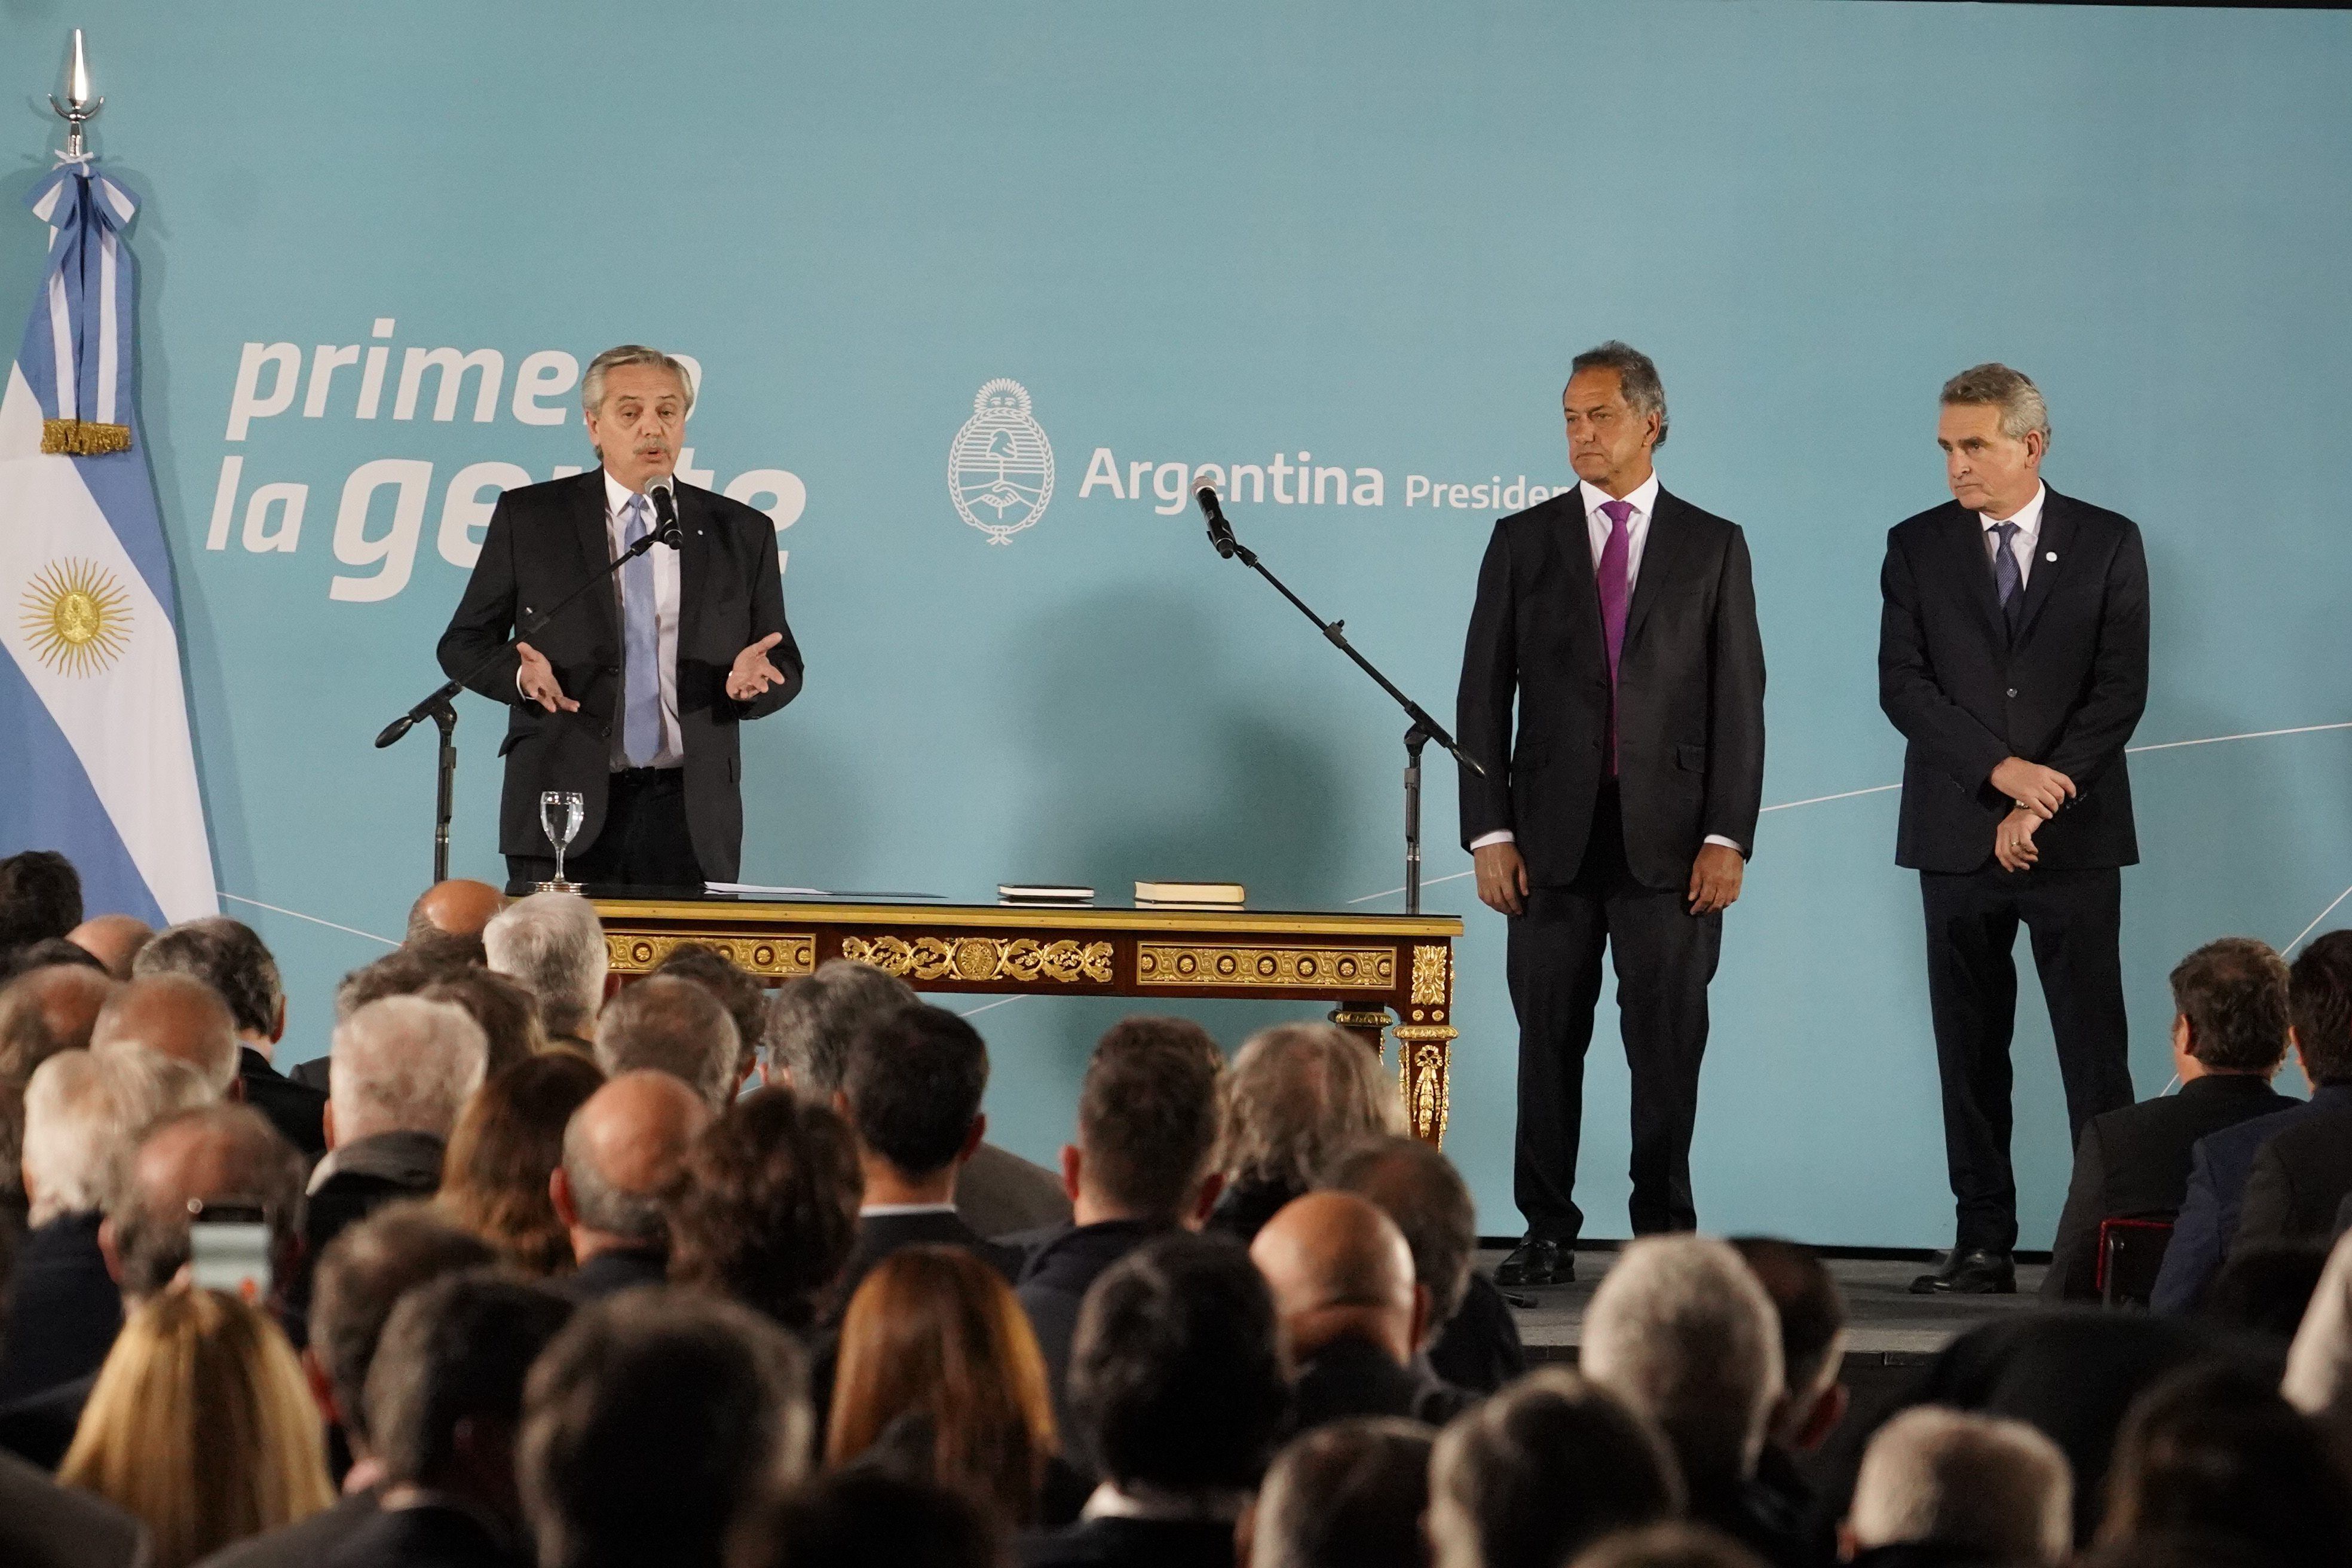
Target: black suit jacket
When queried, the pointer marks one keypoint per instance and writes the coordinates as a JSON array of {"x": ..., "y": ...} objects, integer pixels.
[
  {"x": 294, "y": 1109},
  {"x": 427, "y": 1536},
  {"x": 543, "y": 541},
  {"x": 63, "y": 1310},
  {"x": 2067, "y": 694},
  {"x": 1132, "y": 1543},
  {"x": 44, "y": 1525},
  {"x": 1690, "y": 692},
  {"x": 879, "y": 1236},
  {"x": 1351, "y": 1377},
  {"x": 2299, "y": 1180},
  {"x": 2133, "y": 1164}
]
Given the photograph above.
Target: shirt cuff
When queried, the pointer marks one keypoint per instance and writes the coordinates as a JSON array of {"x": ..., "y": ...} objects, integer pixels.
[
  {"x": 1728, "y": 844},
  {"x": 1504, "y": 836}
]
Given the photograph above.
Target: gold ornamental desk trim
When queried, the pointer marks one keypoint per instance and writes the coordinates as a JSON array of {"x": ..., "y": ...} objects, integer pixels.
[{"x": 995, "y": 917}]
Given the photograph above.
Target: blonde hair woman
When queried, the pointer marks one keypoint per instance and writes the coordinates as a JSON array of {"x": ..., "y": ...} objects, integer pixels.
[{"x": 200, "y": 1425}]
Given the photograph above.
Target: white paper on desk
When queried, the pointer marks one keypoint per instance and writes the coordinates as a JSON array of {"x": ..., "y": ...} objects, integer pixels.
[{"x": 758, "y": 890}]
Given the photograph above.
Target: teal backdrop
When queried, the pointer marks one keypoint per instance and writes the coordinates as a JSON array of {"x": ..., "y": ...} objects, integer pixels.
[{"x": 1221, "y": 234}]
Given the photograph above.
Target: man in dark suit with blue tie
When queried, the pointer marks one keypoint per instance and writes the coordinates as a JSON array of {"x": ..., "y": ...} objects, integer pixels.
[
  {"x": 1622, "y": 620},
  {"x": 2012, "y": 655}
]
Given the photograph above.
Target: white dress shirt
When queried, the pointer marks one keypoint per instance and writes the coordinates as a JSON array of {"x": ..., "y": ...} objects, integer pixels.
[
  {"x": 1597, "y": 529},
  {"x": 2028, "y": 519},
  {"x": 665, "y": 564}
]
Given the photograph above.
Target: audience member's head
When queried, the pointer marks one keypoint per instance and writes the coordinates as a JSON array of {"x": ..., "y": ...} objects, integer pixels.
[
  {"x": 1348, "y": 1495},
  {"x": 115, "y": 940},
  {"x": 1667, "y": 1546},
  {"x": 2266, "y": 1288},
  {"x": 2319, "y": 1002},
  {"x": 1541, "y": 1469},
  {"x": 444, "y": 1391},
  {"x": 199, "y": 1426},
  {"x": 745, "y": 999},
  {"x": 813, "y": 1021},
  {"x": 553, "y": 945},
  {"x": 49, "y": 950},
  {"x": 624, "y": 1151},
  {"x": 939, "y": 1375},
  {"x": 2318, "y": 1379},
  {"x": 84, "y": 1111},
  {"x": 1177, "y": 1381},
  {"x": 1295, "y": 1096},
  {"x": 913, "y": 1093},
  {"x": 460, "y": 907},
  {"x": 362, "y": 1275},
  {"x": 191, "y": 1165},
  {"x": 40, "y": 898},
  {"x": 675, "y": 1026},
  {"x": 867, "y": 1515},
  {"x": 401, "y": 1065},
  {"x": 1339, "y": 1268},
  {"x": 1812, "y": 1312},
  {"x": 229, "y": 956},
  {"x": 1146, "y": 1125},
  {"x": 2215, "y": 1449},
  {"x": 1681, "y": 1330},
  {"x": 1992, "y": 1490},
  {"x": 507, "y": 1141},
  {"x": 2229, "y": 1009},
  {"x": 403, "y": 971},
  {"x": 507, "y": 1013},
  {"x": 767, "y": 1211},
  {"x": 46, "y": 1010},
  {"x": 655, "y": 1422},
  {"x": 175, "y": 1015},
  {"x": 1418, "y": 1188}
]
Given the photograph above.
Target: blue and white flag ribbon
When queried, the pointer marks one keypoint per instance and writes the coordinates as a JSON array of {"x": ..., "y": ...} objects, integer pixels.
[{"x": 95, "y": 759}]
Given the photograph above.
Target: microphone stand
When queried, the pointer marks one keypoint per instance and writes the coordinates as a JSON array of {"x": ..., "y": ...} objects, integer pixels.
[
  {"x": 438, "y": 707},
  {"x": 1424, "y": 727}
]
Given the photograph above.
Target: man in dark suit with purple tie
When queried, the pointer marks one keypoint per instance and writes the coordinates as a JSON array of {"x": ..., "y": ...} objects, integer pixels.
[{"x": 1622, "y": 621}]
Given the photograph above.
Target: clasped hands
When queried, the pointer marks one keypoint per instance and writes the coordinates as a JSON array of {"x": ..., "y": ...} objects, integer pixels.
[
  {"x": 751, "y": 675},
  {"x": 1714, "y": 878},
  {"x": 2039, "y": 792}
]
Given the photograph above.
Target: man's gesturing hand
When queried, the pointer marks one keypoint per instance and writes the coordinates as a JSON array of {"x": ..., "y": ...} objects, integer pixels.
[
  {"x": 536, "y": 680},
  {"x": 1502, "y": 877},
  {"x": 752, "y": 673},
  {"x": 2035, "y": 788},
  {"x": 2013, "y": 842},
  {"x": 1714, "y": 878}
]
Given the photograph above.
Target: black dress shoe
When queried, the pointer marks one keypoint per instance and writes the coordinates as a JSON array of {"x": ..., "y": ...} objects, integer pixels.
[
  {"x": 1537, "y": 1262},
  {"x": 1975, "y": 1271}
]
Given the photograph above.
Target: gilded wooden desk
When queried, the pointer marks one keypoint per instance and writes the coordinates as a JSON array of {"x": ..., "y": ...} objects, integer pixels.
[{"x": 1368, "y": 966}]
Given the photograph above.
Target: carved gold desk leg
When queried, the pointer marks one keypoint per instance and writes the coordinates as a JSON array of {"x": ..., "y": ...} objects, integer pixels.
[{"x": 1425, "y": 1043}]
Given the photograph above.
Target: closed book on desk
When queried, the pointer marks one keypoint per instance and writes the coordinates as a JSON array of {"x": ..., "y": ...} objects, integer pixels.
[{"x": 1231, "y": 895}]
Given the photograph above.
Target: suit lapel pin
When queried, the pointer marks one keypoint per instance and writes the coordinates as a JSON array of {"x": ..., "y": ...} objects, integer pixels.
[{"x": 2053, "y": 555}]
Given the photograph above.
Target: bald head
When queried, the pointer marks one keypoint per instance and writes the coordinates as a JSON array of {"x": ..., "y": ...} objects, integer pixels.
[
  {"x": 174, "y": 1015},
  {"x": 112, "y": 939},
  {"x": 622, "y": 1153},
  {"x": 1339, "y": 1268},
  {"x": 458, "y": 908},
  {"x": 209, "y": 1156},
  {"x": 46, "y": 1010}
]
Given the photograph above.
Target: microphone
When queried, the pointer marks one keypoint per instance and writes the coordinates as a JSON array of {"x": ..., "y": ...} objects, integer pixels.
[
  {"x": 666, "y": 528},
  {"x": 1220, "y": 532}
]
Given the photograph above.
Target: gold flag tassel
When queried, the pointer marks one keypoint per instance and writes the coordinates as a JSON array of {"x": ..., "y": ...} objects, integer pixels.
[{"x": 83, "y": 437}]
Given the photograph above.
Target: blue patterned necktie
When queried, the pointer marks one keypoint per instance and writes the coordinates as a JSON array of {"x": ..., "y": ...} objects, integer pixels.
[
  {"x": 641, "y": 715},
  {"x": 2007, "y": 583}
]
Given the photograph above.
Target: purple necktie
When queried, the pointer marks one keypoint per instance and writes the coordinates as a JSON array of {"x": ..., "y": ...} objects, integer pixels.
[{"x": 1611, "y": 574}]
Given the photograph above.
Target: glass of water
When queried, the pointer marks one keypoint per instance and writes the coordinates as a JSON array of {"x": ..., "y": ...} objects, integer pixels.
[{"x": 560, "y": 813}]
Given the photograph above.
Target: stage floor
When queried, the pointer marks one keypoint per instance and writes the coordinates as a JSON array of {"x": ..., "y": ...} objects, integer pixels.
[{"x": 1887, "y": 1327}]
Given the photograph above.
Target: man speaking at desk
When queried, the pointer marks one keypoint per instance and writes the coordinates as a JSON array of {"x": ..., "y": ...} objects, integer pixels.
[
  {"x": 1623, "y": 620},
  {"x": 632, "y": 696}
]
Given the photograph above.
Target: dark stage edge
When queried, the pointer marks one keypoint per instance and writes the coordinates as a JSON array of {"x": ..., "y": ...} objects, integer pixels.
[{"x": 1887, "y": 1327}]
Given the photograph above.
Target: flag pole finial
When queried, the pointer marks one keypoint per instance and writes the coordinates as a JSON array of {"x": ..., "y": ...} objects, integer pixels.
[{"x": 79, "y": 107}]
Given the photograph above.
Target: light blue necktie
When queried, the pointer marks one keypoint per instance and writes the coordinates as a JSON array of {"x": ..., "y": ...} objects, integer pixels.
[{"x": 641, "y": 714}]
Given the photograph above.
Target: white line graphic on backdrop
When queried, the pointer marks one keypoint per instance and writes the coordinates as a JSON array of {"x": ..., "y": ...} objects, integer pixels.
[{"x": 314, "y": 920}]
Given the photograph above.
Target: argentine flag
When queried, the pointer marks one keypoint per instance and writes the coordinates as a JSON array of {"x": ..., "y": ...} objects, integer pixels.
[{"x": 94, "y": 754}]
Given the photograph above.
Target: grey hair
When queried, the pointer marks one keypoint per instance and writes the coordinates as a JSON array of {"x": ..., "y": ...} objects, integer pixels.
[
  {"x": 592, "y": 386},
  {"x": 673, "y": 1026},
  {"x": 1637, "y": 378},
  {"x": 555, "y": 945},
  {"x": 1338, "y": 1487},
  {"x": 814, "y": 1022},
  {"x": 1977, "y": 1484},
  {"x": 226, "y": 955},
  {"x": 84, "y": 1114},
  {"x": 1682, "y": 1330},
  {"x": 1995, "y": 386},
  {"x": 1295, "y": 1096},
  {"x": 641, "y": 1218},
  {"x": 402, "y": 1063}
]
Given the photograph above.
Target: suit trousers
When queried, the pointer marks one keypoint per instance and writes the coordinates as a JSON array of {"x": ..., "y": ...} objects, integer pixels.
[
  {"x": 2076, "y": 919},
  {"x": 1664, "y": 956},
  {"x": 643, "y": 843}
]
